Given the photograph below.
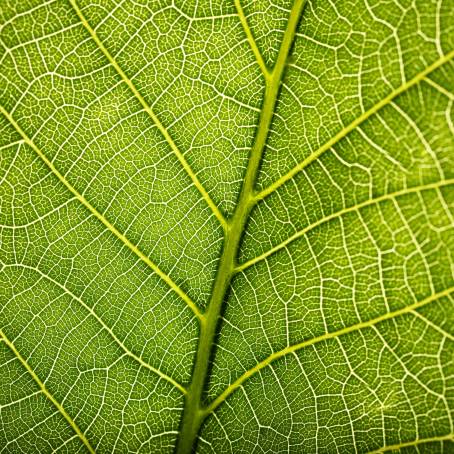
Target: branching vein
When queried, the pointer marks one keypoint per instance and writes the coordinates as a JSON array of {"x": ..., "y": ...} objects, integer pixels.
[
  {"x": 340, "y": 213},
  {"x": 46, "y": 392},
  {"x": 293, "y": 348},
  {"x": 399, "y": 446},
  {"x": 106, "y": 328},
  {"x": 251, "y": 40},
  {"x": 354, "y": 124}
]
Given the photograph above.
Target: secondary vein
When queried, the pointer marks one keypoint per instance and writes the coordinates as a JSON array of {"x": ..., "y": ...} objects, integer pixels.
[
  {"x": 405, "y": 444},
  {"x": 105, "y": 327},
  {"x": 330, "y": 335},
  {"x": 214, "y": 208},
  {"x": 46, "y": 392},
  {"x": 251, "y": 40},
  {"x": 354, "y": 124},
  {"x": 167, "y": 279},
  {"x": 340, "y": 213}
]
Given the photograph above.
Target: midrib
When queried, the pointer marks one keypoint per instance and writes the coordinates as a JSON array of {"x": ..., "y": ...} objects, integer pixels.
[{"x": 194, "y": 410}]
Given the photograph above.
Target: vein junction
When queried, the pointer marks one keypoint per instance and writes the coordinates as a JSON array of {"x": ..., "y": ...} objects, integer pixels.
[
  {"x": 152, "y": 115},
  {"x": 195, "y": 410},
  {"x": 101, "y": 217}
]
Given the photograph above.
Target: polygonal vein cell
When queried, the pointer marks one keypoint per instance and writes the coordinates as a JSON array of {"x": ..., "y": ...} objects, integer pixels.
[
  {"x": 44, "y": 390},
  {"x": 330, "y": 335},
  {"x": 153, "y": 116},
  {"x": 354, "y": 124}
]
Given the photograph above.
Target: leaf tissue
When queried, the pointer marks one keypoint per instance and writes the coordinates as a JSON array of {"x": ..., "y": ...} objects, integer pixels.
[{"x": 226, "y": 226}]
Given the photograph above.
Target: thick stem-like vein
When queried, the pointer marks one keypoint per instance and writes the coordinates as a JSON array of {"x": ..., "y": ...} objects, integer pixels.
[
  {"x": 46, "y": 392},
  {"x": 167, "y": 279},
  {"x": 195, "y": 411}
]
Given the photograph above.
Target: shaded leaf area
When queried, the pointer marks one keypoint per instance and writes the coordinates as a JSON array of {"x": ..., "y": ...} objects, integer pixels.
[{"x": 126, "y": 132}]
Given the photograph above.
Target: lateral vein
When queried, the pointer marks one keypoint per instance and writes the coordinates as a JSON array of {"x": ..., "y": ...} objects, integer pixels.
[
  {"x": 167, "y": 279},
  {"x": 354, "y": 124},
  {"x": 105, "y": 327},
  {"x": 46, "y": 392},
  {"x": 330, "y": 335},
  {"x": 448, "y": 437},
  {"x": 340, "y": 213},
  {"x": 251, "y": 40},
  {"x": 214, "y": 208}
]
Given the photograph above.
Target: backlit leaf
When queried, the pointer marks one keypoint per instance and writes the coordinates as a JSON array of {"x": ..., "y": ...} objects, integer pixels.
[{"x": 226, "y": 226}]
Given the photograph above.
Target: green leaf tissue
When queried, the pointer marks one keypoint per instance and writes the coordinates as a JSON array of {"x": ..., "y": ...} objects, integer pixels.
[{"x": 226, "y": 226}]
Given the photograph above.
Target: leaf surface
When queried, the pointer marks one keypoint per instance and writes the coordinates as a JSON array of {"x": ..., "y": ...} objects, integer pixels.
[{"x": 226, "y": 226}]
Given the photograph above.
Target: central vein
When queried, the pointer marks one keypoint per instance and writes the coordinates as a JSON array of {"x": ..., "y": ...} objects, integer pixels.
[{"x": 194, "y": 410}]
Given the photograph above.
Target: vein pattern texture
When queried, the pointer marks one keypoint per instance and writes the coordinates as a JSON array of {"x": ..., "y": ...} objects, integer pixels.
[{"x": 226, "y": 226}]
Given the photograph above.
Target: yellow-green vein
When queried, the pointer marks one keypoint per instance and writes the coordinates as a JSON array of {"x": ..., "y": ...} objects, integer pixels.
[
  {"x": 293, "y": 348},
  {"x": 46, "y": 392},
  {"x": 251, "y": 40},
  {"x": 105, "y": 327},
  {"x": 104, "y": 220},
  {"x": 152, "y": 115},
  {"x": 406, "y": 444},
  {"x": 439, "y": 88},
  {"x": 194, "y": 412},
  {"x": 338, "y": 214},
  {"x": 354, "y": 124}
]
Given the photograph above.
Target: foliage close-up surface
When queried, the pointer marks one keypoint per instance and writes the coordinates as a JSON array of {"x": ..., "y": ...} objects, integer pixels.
[{"x": 226, "y": 226}]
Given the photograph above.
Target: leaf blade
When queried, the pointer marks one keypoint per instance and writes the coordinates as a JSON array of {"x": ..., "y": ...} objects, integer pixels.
[{"x": 189, "y": 129}]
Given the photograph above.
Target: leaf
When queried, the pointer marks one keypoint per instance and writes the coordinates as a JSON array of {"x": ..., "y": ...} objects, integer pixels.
[{"x": 226, "y": 226}]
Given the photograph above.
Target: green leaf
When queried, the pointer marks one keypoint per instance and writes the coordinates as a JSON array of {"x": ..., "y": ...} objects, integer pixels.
[{"x": 226, "y": 226}]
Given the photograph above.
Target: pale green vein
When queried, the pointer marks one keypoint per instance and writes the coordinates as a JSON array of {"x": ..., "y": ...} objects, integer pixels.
[
  {"x": 167, "y": 279},
  {"x": 152, "y": 115},
  {"x": 11, "y": 144},
  {"x": 46, "y": 392},
  {"x": 340, "y": 213},
  {"x": 399, "y": 446},
  {"x": 354, "y": 124},
  {"x": 435, "y": 327},
  {"x": 251, "y": 40},
  {"x": 105, "y": 327},
  {"x": 327, "y": 336}
]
